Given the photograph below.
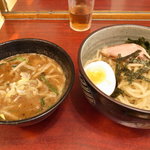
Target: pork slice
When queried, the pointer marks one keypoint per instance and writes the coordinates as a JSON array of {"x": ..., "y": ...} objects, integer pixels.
[{"x": 124, "y": 50}]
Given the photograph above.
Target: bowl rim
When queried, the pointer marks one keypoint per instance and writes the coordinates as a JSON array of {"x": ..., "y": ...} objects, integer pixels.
[
  {"x": 63, "y": 96},
  {"x": 91, "y": 83}
]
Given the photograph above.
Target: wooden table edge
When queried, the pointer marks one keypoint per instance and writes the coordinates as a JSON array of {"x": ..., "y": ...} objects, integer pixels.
[{"x": 65, "y": 15}]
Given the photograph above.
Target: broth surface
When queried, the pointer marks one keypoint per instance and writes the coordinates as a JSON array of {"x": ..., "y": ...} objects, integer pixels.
[{"x": 29, "y": 85}]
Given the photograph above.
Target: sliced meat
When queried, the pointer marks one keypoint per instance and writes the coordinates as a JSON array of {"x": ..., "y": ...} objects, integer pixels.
[{"x": 124, "y": 50}]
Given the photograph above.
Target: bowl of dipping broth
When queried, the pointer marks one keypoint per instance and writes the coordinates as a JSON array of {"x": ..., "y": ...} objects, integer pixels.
[
  {"x": 114, "y": 65},
  {"x": 35, "y": 78}
]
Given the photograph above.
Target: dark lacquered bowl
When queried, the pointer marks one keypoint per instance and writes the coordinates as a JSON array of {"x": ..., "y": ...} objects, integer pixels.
[
  {"x": 49, "y": 49},
  {"x": 116, "y": 111}
]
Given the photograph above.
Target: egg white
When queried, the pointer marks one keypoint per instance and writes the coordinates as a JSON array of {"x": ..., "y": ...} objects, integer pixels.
[{"x": 102, "y": 75}]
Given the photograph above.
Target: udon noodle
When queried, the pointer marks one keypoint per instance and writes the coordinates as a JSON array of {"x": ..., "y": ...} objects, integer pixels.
[
  {"x": 29, "y": 85},
  {"x": 134, "y": 88}
]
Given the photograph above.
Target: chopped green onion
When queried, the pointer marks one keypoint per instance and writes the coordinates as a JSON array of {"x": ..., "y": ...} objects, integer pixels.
[
  {"x": 11, "y": 59},
  {"x": 2, "y": 64},
  {"x": 49, "y": 85},
  {"x": 15, "y": 65},
  {"x": 17, "y": 58},
  {"x": 21, "y": 59},
  {"x": 42, "y": 101}
]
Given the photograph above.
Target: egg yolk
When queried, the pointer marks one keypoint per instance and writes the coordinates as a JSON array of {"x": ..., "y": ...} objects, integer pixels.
[{"x": 96, "y": 75}]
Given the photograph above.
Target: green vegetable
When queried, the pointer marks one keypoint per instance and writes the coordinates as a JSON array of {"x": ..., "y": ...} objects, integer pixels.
[
  {"x": 17, "y": 58},
  {"x": 42, "y": 102},
  {"x": 14, "y": 65},
  {"x": 49, "y": 85},
  {"x": 2, "y": 64}
]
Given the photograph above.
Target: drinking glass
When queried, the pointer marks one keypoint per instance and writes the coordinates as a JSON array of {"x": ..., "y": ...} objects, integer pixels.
[{"x": 80, "y": 14}]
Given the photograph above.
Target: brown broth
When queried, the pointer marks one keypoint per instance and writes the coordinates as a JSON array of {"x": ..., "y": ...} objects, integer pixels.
[{"x": 29, "y": 85}]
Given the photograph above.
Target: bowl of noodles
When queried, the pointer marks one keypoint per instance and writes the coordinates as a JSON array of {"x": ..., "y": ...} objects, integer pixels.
[
  {"x": 114, "y": 64},
  {"x": 35, "y": 78}
]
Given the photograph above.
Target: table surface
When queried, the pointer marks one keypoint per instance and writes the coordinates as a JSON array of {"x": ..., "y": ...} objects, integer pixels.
[
  {"x": 75, "y": 125},
  {"x": 108, "y": 5}
]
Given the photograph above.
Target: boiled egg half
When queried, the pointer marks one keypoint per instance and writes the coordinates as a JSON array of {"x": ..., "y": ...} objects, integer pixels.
[{"x": 102, "y": 75}]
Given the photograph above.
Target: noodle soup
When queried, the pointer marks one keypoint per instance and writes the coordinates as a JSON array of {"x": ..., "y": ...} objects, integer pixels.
[{"x": 29, "y": 85}]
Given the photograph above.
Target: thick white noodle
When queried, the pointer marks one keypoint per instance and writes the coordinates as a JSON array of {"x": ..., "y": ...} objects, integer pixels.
[{"x": 135, "y": 94}]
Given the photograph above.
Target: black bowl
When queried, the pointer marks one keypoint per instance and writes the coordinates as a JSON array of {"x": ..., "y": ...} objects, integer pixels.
[
  {"x": 49, "y": 49},
  {"x": 116, "y": 111}
]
